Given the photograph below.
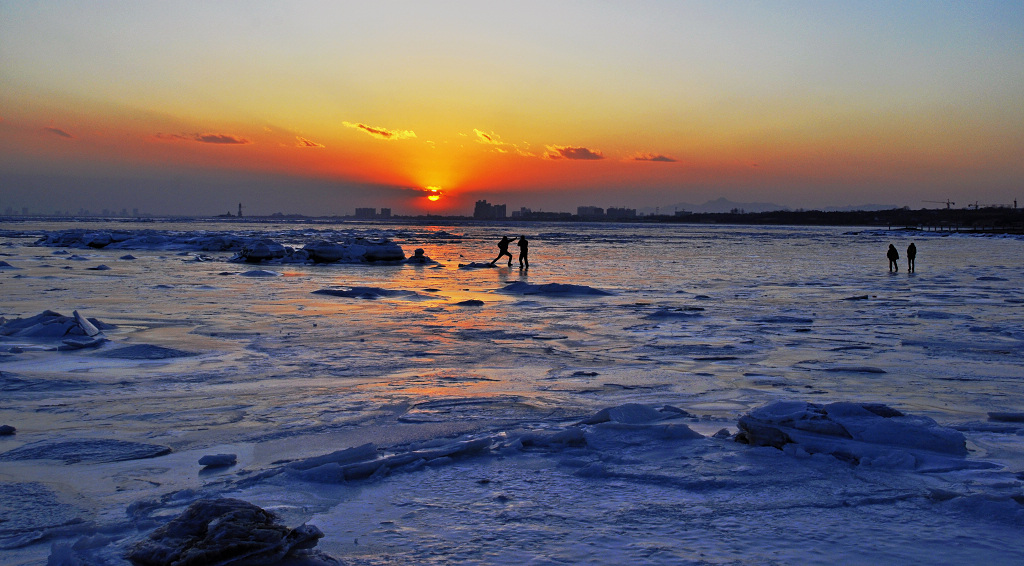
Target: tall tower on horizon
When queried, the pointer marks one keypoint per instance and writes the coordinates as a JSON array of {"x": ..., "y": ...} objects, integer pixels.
[{"x": 239, "y": 210}]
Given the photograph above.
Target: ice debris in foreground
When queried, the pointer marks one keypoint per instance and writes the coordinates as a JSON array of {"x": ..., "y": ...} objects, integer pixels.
[
  {"x": 75, "y": 331},
  {"x": 626, "y": 424},
  {"x": 866, "y": 434},
  {"x": 246, "y": 249},
  {"x": 215, "y": 532}
]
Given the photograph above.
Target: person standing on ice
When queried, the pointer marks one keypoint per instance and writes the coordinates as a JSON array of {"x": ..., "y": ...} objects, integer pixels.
[
  {"x": 524, "y": 252},
  {"x": 503, "y": 251},
  {"x": 894, "y": 257},
  {"x": 911, "y": 254}
]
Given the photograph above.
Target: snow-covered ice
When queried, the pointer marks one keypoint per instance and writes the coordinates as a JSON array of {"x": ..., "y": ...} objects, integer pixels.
[{"x": 641, "y": 394}]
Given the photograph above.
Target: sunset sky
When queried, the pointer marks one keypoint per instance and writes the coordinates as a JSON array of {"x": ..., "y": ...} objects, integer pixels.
[{"x": 320, "y": 107}]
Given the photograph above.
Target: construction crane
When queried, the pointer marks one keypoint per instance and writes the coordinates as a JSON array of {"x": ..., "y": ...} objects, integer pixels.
[{"x": 947, "y": 202}]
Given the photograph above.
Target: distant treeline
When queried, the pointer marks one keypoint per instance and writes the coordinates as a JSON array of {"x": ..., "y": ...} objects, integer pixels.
[{"x": 981, "y": 219}]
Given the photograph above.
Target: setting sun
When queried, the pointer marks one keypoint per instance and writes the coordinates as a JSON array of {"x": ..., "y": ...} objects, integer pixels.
[{"x": 433, "y": 193}]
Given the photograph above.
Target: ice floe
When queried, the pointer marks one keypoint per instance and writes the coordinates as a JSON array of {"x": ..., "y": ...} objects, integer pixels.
[
  {"x": 85, "y": 450},
  {"x": 862, "y": 433}
]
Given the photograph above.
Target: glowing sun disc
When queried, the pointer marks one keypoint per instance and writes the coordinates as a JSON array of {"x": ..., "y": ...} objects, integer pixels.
[{"x": 433, "y": 193}]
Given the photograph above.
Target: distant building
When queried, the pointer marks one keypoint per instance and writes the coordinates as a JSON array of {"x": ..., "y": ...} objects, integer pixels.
[
  {"x": 366, "y": 213},
  {"x": 385, "y": 213},
  {"x": 589, "y": 211},
  {"x": 523, "y": 212},
  {"x": 621, "y": 213},
  {"x": 487, "y": 211}
]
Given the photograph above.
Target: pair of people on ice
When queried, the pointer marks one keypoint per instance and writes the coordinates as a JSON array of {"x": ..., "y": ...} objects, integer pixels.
[
  {"x": 894, "y": 257},
  {"x": 524, "y": 251}
]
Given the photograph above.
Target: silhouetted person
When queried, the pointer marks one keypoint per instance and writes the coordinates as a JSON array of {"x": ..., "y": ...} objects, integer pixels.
[
  {"x": 894, "y": 257},
  {"x": 911, "y": 254},
  {"x": 524, "y": 252},
  {"x": 503, "y": 251}
]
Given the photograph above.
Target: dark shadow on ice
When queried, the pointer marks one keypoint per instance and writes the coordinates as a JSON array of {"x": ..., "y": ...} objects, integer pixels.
[
  {"x": 145, "y": 352},
  {"x": 369, "y": 293},
  {"x": 553, "y": 289}
]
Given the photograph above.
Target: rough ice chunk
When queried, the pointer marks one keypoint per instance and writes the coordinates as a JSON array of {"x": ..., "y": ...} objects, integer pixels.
[
  {"x": 870, "y": 434},
  {"x": 226, "y": 531}
]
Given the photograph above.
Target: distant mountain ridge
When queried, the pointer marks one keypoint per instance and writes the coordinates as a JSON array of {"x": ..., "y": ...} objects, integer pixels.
[{"x": 724, "y": 205}]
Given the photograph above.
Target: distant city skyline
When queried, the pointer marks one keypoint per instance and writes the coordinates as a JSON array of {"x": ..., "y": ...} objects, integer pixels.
[{"x": 319, "y": 108}]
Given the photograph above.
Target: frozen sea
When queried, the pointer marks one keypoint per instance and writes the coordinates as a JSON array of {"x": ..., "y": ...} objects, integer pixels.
[{"x": 480, "y": 395}]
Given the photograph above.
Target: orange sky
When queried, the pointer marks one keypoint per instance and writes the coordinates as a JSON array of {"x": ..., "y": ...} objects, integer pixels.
[{"x": 318, "y": 108}]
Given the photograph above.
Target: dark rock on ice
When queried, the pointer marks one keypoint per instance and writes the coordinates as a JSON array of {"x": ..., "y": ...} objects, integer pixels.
[
  {"x": 145, "y": 352},
  {"x": 260, "y": 273},
  {"x": 99, "y": 267},
  {"x": 470, "y": 303},
  {"x": 5, "y": 265},
  {"x": 218, "y": 460},
  {"x": 7, "y": 430},
  {"x": 418, "y": 257},
  {"x": 215, "y": 532},
  {"x": 862, "y": 433},
  {"x": 553, "y": 289},
  {"x": 127, "y": 257},
  {"x": 477, "y": 265},
  {"x": 85, "y": 450}
]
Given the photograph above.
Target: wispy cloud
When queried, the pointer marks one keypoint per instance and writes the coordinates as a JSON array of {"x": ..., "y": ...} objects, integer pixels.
[
  {"x": 383, "y": 133},
  {"x": 568, "y": 152},
  {"x": 220, "y": 138},
  {"x": 303, "y": 142},
  {"x": 227, "y": 139},
  {"x": 653, "y": 157},
  {"x": 59, "y": 132},
  {"x": 494, "y": 140}
]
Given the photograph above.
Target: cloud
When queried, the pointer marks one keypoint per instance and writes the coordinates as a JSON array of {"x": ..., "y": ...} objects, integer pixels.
[
  {"x": 205, "y": 138},
  {"x": 494, "y": 140},
  {"x": 654, "y": 157},
  {"x": 484, "y": 137},
  {"x": 59, "y": 132},
  {"x": 382, "y": 133},
  {"x": 220, "y": 138},
  {"x": 303, "y": 142},
  {"x": 567, "y": 152}
]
